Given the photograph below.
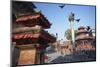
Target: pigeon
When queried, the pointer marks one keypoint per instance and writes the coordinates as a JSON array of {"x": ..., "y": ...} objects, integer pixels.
[
  {"x": 62, "y": 6},
  {"x": 72, "y": 14},
  {"x": 77, "y": 20},
  {"x": 88, "y": 27}
]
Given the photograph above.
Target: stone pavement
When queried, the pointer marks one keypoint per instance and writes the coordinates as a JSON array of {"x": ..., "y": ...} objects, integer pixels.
[{"x": 77, "y": 57}]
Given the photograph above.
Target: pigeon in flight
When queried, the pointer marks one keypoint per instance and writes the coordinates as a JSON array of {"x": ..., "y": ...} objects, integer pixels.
[
  {"x": 77, "y": 20},
  {"x": 62, "y": 6}
]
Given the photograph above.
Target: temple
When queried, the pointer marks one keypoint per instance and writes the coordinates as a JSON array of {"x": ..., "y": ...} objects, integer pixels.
[
  {"x": 29, "y": 39},
  {"x": 85, "y": 49},
  {"x": 83, "y": 40}
]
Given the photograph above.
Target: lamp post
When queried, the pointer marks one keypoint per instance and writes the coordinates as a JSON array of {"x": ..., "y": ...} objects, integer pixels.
[{"x": 71, "y": 20}]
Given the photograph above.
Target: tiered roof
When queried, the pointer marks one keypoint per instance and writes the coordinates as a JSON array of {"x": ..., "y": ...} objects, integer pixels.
[
  {"x": 83, "y": 40},
  {"x": 32, "y": 27},
  {"x": 21, "y": 8},
  {"x": 80, "y": 30},
  {"x": 81, "y": 36},
  {"x": 34, "y": 19}
]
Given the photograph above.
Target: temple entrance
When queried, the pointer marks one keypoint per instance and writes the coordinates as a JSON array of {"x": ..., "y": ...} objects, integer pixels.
[{"x": 27, "y": 56}]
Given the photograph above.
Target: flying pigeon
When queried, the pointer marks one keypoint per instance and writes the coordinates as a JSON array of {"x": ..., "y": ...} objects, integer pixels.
[
  {"x": 77, "y": 20},
  {"x": 62, "y": 6},
  {"x": 72, "y": 14}
]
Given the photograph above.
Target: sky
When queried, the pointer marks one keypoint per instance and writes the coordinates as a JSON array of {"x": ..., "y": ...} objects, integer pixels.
[{"x": 59, "y": 17}]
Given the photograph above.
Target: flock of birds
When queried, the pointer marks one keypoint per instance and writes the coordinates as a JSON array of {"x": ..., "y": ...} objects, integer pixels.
[
  {"x": 87, "y": 27},
  {"x": 63, "y": 5}
]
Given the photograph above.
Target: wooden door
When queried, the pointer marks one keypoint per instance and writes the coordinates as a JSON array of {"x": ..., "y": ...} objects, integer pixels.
[{"x": 27, "y": 56}]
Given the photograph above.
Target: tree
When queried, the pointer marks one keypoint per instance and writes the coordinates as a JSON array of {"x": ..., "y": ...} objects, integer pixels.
[{"x": 68, "y": 34}]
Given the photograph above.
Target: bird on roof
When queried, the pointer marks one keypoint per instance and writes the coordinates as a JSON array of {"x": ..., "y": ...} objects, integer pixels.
[
  {"x": 88, "y": 28},
  {"x": 62, "y": 6}
]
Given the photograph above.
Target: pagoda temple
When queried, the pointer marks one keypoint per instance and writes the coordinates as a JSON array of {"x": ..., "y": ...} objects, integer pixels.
[
  {"x": 84, "y": 41},
  {"x": 29, "y": 39}
]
